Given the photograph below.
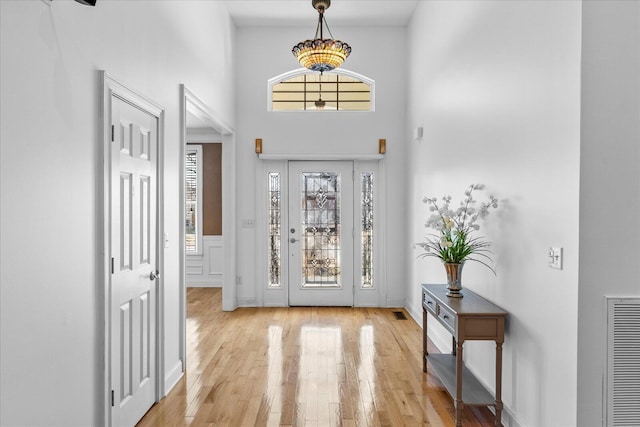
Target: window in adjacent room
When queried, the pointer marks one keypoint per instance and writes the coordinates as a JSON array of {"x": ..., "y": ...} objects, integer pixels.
[{"x": 193, "y": 198}]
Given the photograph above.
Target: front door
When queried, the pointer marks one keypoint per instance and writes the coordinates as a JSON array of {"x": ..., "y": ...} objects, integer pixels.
[
  {"x": 320, "y": 233},
  {"x": 134, "y": 150}
]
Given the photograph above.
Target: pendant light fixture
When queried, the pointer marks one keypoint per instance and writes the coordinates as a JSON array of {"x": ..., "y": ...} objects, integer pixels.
[
  {"x": 321, "y": 54},
  {"x": 320, "y": 103}
]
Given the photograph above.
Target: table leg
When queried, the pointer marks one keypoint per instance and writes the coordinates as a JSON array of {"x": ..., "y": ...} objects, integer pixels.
[
  {"x": 424, "y": 340},
  {"x": 459, "y": 404},
  {"x": 498, "y": 384}
]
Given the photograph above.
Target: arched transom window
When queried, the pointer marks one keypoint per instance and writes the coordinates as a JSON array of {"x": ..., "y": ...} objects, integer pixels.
[{"x": 305, "y": 90}]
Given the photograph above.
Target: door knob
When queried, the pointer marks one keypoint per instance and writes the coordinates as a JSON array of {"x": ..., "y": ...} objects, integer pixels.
[
  {"x": 293, "y": 240},
  {"x": 154, "y": 275}
]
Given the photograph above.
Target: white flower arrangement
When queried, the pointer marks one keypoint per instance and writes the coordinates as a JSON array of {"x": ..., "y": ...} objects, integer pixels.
[{"x": 453, "y": 242}]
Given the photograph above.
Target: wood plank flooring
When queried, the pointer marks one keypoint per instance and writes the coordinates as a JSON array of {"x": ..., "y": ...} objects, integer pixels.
[{"x": 304, "y": 367}]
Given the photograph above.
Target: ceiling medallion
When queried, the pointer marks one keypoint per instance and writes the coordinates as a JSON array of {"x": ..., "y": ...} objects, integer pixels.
[{"x": 321, "y": 54}]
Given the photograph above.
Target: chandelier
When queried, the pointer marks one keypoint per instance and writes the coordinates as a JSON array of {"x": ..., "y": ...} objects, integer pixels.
[{"x": 321, "y": 54}]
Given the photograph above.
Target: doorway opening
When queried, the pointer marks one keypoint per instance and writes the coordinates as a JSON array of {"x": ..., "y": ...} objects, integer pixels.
[
  {"x": 204, "y": 243},
  {"x": 195, "y": 113},
  {"x": 322, "y": 232}
]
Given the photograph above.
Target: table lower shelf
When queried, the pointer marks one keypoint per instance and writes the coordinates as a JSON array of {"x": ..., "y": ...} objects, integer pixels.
[{"x": 473, "y": 392}]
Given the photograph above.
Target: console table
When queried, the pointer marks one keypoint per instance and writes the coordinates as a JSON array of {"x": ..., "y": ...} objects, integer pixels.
[{"x": 469, "y": 318}]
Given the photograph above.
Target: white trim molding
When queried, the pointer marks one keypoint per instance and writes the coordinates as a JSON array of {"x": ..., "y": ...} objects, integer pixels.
[
  {"x": 110, "y": 89},
  {"x": 319, "y": 156},
  {"x": 266, "y": 296},
  {"x": 173, "y": 376},
  {"x": 191, "y": 104}
]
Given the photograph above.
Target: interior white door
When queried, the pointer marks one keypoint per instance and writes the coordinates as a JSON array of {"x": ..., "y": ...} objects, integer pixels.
[
  {"x": 134, "y": 150},
  {"x": 320, "y": 233}
]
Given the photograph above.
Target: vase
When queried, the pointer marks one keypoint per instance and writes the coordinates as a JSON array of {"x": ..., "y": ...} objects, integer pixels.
[{"x": 454, "y": 278}]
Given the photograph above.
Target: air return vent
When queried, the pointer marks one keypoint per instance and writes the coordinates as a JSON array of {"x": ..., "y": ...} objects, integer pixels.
[{"x": 623, "y": 362}]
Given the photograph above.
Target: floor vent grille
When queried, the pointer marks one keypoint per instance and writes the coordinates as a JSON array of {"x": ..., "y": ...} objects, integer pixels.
[
  {"x": 400, "y": 315},
  {"x": 623, "y": 362}
]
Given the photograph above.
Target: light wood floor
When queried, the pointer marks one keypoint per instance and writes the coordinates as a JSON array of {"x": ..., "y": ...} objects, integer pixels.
[{"x": 304, "y": 367}]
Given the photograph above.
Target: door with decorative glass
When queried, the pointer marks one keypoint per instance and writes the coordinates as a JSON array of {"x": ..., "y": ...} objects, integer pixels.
[{"x": 320, "y": 233}]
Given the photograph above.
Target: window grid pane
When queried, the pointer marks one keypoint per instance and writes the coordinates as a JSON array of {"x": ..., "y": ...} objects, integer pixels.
[
  {"x": 301, "y": 92},
  {"x": 367, "y": 229},
  {"x": 191, "y": 201},
  {"x": 274, "y": 230}
]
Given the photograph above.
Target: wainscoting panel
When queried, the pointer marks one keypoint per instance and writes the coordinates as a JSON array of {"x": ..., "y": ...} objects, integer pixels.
[
  {"x": 205, "y": 269},
  {"x": 195, "y": 269},
  {"x": 215, "y": 259}
]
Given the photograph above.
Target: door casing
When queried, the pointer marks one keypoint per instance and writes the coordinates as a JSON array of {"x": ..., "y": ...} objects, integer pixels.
[
  {"x": 192, "y": 103},
  {"x": 279, "y": 296},
  {"x": 111, "y": 88}
]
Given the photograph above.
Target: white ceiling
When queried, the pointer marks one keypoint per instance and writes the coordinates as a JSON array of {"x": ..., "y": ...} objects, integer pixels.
[
  {"x": 297, "y": 13},
  {"x": 289, "y": 13}
]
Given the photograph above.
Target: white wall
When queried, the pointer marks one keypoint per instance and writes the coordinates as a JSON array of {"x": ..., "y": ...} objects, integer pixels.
[
  {"x": 264, "y": 53},
  {"x": 609, "y": 183},
  {"x": 51, "y": 174},
  {"x": 496, "y": 86}
]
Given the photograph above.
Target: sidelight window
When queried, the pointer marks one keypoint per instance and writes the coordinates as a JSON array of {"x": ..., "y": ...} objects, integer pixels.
[
  {"x": 366, "y": 228},
  {"x": 275, "y": 210}
]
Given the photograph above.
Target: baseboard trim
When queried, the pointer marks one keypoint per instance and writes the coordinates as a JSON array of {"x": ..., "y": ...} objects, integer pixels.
[
  {"x": 395, "y": 302},
  {"x": 204, "y": 285},
  {"x": 417, "y": 316},
  {"x": 508, "y": 418},
  {"x": 246, "y": 302},
  {"x": 172, "y": 378},
  {"x": 274, "y": 305}
]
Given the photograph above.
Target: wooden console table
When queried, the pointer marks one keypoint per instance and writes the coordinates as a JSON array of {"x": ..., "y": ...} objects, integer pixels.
[{"x": 469, "y": 318}]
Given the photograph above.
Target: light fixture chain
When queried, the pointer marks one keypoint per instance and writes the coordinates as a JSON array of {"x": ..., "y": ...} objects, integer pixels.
[
  {"x": 326, "y": 25},
  {"x": 319, "y": 27}
]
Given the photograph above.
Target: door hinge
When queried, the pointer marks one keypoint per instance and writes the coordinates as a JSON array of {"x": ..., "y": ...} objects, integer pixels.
[
  {"x": 113, "y": 398},
  {"x": 113, "y": 263},
  {"x": 113, "y": 133}
]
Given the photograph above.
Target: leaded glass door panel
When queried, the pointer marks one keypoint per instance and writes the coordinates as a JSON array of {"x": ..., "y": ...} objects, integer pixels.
[{"x": 321, "y": 233}]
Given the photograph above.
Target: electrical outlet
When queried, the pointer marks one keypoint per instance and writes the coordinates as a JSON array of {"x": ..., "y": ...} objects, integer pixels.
[{"x": 555, "y": 258}]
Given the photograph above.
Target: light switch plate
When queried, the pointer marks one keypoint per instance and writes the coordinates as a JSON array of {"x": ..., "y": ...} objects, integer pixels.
[{"x": 555, "y": 258}]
